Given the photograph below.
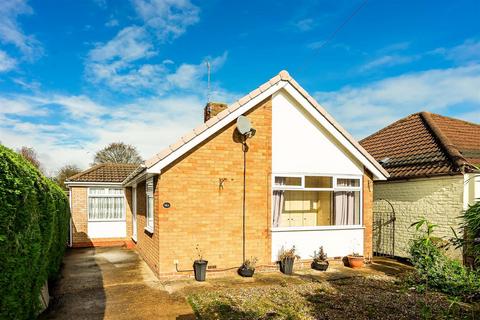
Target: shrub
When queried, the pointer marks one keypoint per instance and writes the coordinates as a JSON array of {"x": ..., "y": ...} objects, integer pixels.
[
  {"x": 34, "y": 216},
  {"x": 433, "y": 269}
]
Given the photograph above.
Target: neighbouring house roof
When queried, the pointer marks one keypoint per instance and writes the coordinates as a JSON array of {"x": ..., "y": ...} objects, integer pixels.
[
  {"x": 166, "y": 156},
  {"x": 426, "y": 144},
  {"x": 104, "y": 172}
]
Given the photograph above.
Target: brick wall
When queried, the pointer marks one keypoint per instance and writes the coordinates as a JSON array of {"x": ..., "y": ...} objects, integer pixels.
[
  {"x": 79, "y": 215},
  {"x": 368, "y": 214},
  {"x": 440, "y": 200},
  {"x": 147, "y": 243},
  {"x": 205, "y": 212}
]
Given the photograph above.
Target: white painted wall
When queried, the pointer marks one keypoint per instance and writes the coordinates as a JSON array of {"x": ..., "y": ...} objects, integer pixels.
[
  {"x": 335, "y": 242},
  {"x": 301, "y": 144},
  {"x": 107, "y": 229}
]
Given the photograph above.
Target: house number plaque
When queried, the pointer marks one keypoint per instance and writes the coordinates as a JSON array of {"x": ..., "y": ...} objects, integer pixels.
[{"x": 166, "y": 205}]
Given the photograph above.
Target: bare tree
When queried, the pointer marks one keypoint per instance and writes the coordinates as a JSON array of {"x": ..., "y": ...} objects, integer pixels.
[
  {"x": 31, "y": 156},
  {"x": 64, "y": 173},
  {"x": 118, "y": 152}
]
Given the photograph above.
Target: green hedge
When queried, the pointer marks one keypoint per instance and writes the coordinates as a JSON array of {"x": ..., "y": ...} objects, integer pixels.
[{"x": 34, "y": 218}]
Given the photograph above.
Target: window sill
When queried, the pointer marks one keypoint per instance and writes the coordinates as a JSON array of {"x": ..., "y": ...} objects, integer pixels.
[
  {"x": 149, "y": 231},
  {"x": 107, "y": 220},
  {"x": 319, "y": 228}
]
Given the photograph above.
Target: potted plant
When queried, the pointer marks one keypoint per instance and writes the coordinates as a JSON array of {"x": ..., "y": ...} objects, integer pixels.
[
  {"x": 287, "y": 258},
  {"x": 248, "y": 267},
  {"x": 320, "y": 260},
  {"x": 200, "y": 265},
  {"x": 355, "y": 260}
]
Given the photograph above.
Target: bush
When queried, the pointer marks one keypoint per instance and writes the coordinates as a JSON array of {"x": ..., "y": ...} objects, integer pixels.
[
  {"x": 34, "y": 218},
  {"x": 433, "y": 269}
]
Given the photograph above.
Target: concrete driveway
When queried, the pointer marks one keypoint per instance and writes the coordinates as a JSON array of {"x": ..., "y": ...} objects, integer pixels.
[{"x": 111, "y": 283}]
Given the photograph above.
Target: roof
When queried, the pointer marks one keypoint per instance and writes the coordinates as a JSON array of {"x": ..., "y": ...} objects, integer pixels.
[
  {"x": 165, "y": 156},
  {"x": 104, "y": 172},
  {"x": 426, "y": 144}
]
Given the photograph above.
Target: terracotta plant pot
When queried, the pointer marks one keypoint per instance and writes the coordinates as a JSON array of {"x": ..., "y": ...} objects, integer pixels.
[
  {"x": 200, "y": 269},
  {"x": 320, "y": 265},
  {"x": 246, "y": 272},
  {"x": 286, "y": 265},
  {"x": 355, "y": 261}
]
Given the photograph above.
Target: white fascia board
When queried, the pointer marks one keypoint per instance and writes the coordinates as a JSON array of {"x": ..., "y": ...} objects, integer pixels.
[
  {"x": 334, "y": 131},
  {"x": 141, "y": 177},
  {"x": 87, "y": 184},
  {"x": 157, "y": 168}
]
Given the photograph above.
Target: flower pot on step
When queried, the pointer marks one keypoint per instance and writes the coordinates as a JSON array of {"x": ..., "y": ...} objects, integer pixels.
[
  {"x": 320, "y": 265},
  {"x": 246, "y": 272},
  {"x": 286, "y": 265},
  {"x": 355, "y": 262},
  {"x": 200, "y": 269}
]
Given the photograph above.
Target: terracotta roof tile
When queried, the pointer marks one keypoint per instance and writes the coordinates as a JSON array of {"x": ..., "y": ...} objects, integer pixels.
[
  {"x": 425, "y": 144},
  {"x": 105, "y": 172}
]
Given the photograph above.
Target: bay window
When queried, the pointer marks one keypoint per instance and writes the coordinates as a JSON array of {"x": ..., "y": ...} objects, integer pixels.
[
  {"x": 150, "y": 205},
  {"x": 106, "y": 204},
  {"x": 315, "y": 200}
]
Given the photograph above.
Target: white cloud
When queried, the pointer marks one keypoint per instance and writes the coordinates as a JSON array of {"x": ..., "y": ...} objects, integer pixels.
[
  {"x": 465, "y": 52},
  {"x": 86, "y": 126},
  {"x": 388, "y": 61},
  {"x": 130, "y": 44},
  {"x": 305, "y": 24},
  {"x": 112, "y": 23},
  {"x": 7, "y": 63},
  {"x": 363, "y": 110},
  {"x": 169, "y": 18},
  {"x": 12, "y": 33}
]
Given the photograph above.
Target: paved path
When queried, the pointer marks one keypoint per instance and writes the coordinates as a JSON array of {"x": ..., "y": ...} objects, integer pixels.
[{"x": 112, "y": 283}]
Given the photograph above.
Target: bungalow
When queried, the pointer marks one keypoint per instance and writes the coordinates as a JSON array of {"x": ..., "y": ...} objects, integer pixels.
[
  {"x": 433, "y": 164},
  {"x": 296, "y": 178}
]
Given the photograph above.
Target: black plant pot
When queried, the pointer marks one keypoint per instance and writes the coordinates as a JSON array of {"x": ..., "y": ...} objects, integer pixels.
[
  {"x": 200, "y": 269},
  {"x": 246, "y": 272},
  {"x": 286, "y": 265},
  {"x": 320, "y": 265}
]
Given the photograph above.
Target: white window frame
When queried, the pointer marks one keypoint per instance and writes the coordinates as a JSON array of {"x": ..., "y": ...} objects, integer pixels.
[
  {"x": 149, "y": 223},
  {"x": 124, "y": 213},
  {"x": 332, "y": 189}
]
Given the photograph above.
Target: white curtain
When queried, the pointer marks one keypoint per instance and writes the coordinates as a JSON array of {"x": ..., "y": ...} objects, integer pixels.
[
  {"x": 277, "y": 202},
  {"x": 344, "y": 213},
  {"x": 277, "y": 207},
  {"x": 106, "y": 208}
]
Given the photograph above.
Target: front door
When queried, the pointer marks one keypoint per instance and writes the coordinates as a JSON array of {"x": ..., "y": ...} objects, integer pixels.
[{"x": 134, "y": 214}]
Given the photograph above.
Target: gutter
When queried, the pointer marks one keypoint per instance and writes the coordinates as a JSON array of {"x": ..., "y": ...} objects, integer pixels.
[{"x": 135, "y": 173}]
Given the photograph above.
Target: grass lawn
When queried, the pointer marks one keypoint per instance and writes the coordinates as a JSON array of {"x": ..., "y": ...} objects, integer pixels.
[{"x": 338, "y": 294}]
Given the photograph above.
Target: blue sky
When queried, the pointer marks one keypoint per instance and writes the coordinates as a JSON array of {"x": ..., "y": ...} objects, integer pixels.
[{"x": 77, "y": 75}]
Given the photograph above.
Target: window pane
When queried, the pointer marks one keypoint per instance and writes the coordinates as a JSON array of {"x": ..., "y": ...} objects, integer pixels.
[
  {"x": 150, "y": 212},
  {"x": 347, "y": 208},
  {"x": 318, "y": 182},
  {"x": 106, "y": 208},
  {"x": 288, "y": 181},
  {"x": 302, "y": 208},
  {"x": 341, "y": 182}
]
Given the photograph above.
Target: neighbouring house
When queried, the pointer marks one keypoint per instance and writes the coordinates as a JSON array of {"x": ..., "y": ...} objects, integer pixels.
[
  {"x": 100, "y": 213},
  {"x": 301, "y": 180},
  {"x": 433, "y": 165}
]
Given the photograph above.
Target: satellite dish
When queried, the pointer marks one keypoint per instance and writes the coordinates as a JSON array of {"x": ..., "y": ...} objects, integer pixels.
[{"x": 243, "y": 125}]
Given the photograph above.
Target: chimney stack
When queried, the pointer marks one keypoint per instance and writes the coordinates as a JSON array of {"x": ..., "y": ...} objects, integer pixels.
[{"x": 212, "y": 109}]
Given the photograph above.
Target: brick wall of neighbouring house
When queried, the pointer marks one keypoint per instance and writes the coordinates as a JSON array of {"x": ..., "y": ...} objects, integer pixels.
[
  {"x": 368, "y": 214},
  {"x": 440, "y": 200},
  {"x": 147, "y": 244},
  {"x": 79, "y": 215},
  {"x": 205, "y": 213}
]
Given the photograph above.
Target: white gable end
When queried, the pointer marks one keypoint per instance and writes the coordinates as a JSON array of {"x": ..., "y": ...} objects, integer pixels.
[{"x": 301, "y": 144}]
